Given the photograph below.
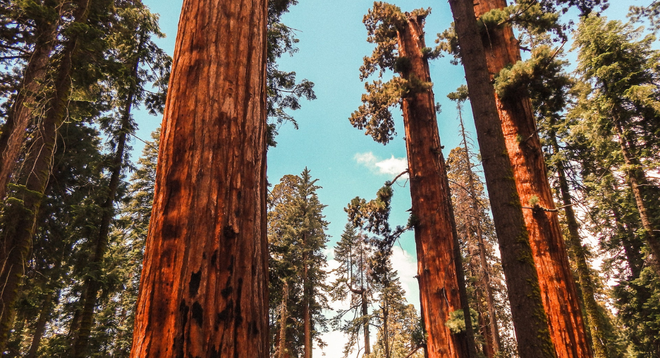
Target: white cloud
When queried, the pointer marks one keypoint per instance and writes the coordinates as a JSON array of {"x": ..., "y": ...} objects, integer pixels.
[
  {"x": 406, "y": 265},
  {"x": 391, "y": 167}
]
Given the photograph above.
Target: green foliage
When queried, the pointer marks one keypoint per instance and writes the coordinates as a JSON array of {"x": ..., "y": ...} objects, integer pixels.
[
  {"x": 650, "y": 13},
  {"x": 297, "y": 240},
  {"x": 383, "y": 22},
  {"x": 284, "y": 91},
  {"x": 456, "y": 322}
]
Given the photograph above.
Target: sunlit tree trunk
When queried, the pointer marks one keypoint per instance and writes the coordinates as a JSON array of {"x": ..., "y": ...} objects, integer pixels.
[
  {"x": 284, "y": 316},
  {"x": 203, "y": 290},
  {"x": 557, "y": 285},
  {"x": 21, "y": 212},
  {"x": 438, "y": 258},
  {"x": 527, "y": 310}
]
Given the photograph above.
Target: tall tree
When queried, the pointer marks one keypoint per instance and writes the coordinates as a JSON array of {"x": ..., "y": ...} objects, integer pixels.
[
  {"x": 203, "y": 290},
  {"x": 44, "y": 39},
  {"x": 625, "y": 79},
  {"x": 473, "y": 224},
  {"x": 560, "y": 298},
  {"x": 354, "y": 280},
  {"x": 400, "y": 47},
  {"x": 19, "y": 224},
  {"x": 528, "y": 314},
  {"x": 133, "y": 51},
  {"x": 297, "y": 240}
]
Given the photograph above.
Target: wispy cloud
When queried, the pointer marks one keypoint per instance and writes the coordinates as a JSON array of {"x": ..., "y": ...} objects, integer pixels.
[{"x": 391, "y": 167}]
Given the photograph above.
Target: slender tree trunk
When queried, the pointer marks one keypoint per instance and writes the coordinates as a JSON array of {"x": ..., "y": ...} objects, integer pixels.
[
  {"x": 490, "y": 300},
  {"x": 203, "y": 290},
  {"x": 93, "y": 282},
  {"x": 557, "y": 285},
  {"x": 527, "y": 311},
  {"x": 365, "y": 324},
  {"x": 40, "y": 326},
  {"x": 637, "y": 182},
  {"x": 492, "y": 321},
  {"x": 580, "y": 255},
  {"x": 21, "y": 213},
  {"x": 386, "y": 330},
  {"x": 22, "y": 110},
  {"x": 284, "y": 316},
  {"x": 435, "y": 231},
  {"x": 307, "y": 317}
]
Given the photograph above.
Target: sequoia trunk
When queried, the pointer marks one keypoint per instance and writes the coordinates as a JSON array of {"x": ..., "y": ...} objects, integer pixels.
[
  {"x": 204, "y": 289},
  {"x": 20, "y": 218},
  {"x": 556, "y": 282},
  {"x": 527, "y": 311},
  {"x": 435, "y": 232}
]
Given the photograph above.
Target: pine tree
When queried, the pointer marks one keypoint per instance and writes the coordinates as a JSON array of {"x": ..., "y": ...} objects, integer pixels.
[
  {"x": 18, "y": 223},
  {"x": 297, "y": 240},
  {"x": 400, "y": 48},
  {"x": 354, "y": 280},
  {"x": 622, "y": 71}
]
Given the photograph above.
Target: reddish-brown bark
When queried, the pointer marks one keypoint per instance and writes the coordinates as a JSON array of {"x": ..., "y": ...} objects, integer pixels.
[
  {"x": 21, "y": 111},
  {"x": 435, "y": 233},
  {"x": 556, "y": 282},
  {"x": 527, "y": 310},
  {"x": 204, "y": 287}
]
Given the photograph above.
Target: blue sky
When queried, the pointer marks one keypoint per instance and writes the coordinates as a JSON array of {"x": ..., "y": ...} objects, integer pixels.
[{"x": 346, "y": 162}]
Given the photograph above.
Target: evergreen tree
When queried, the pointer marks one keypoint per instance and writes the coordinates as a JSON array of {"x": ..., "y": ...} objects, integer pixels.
[
  {"x": 297, "y": 240},
  {"x": 355, "y": 281}
]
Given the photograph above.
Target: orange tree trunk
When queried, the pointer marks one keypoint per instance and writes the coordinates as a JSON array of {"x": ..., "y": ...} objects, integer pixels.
[
  {"x": 203, "y": 290},
  {"x": 527, "y": 310},
  {"x": 556, "y": 282},
  {"x": 435, "y": 233}
]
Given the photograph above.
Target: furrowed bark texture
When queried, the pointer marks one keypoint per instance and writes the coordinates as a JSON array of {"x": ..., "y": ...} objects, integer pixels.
[
  {"x": 203, "y": 291},
  {"x": 21, "y": 213},
  {"x": 597, "y": 328},
  {"x": 435, "y": 233},
  {"x": 527, "y": 310},
  {"x": 556, "y": 281},
  {"x": 22, "y": 110}
]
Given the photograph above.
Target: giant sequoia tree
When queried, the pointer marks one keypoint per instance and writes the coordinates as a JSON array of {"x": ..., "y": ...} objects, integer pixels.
[
  {"x": 400, "y": 47},
  {"x": 556, "y": 281},
  {"x": 203, "y": 287},
  {"x": 528, "y": 314}
]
